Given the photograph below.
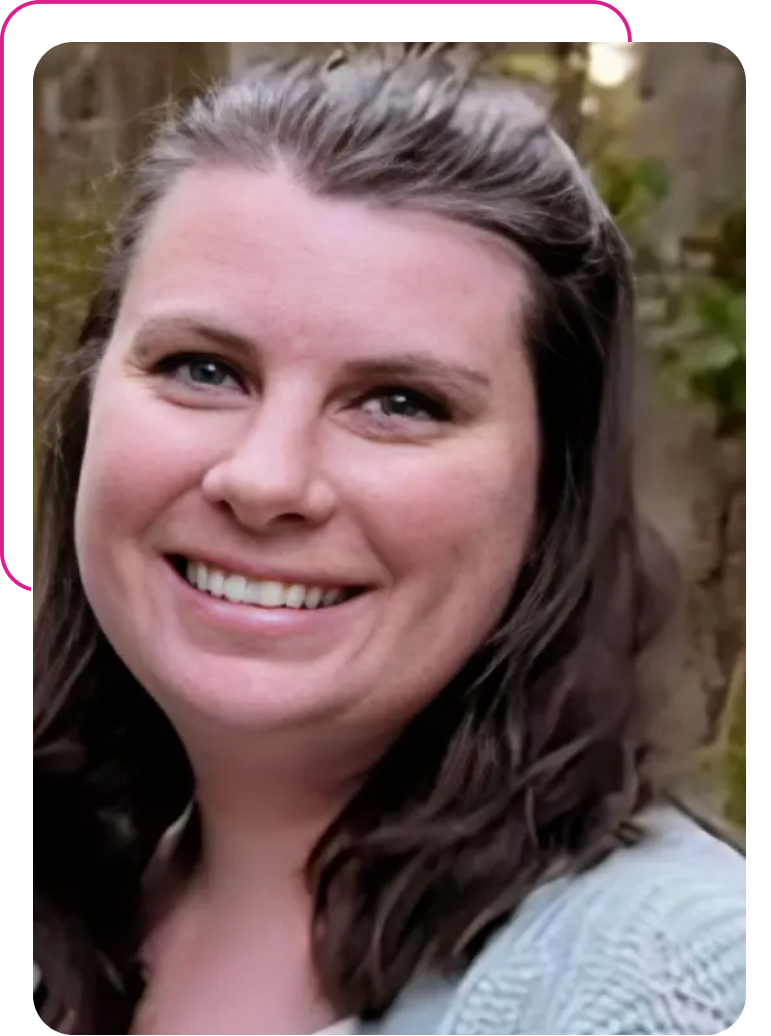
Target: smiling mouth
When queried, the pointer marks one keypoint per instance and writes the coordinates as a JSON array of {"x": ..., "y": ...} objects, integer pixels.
[{"x": 239, "y": 589}]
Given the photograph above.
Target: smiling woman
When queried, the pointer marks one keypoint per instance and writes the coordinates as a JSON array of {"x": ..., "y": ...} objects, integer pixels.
[
  {"x": 305, "y": 452},
  {"x": 341, "y": 593}
]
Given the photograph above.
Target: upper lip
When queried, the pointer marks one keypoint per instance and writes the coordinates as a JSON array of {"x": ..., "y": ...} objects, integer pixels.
[{"x": 270, "y": 573}]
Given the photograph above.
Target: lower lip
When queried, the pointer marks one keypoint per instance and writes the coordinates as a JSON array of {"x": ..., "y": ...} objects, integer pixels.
[{"x": 250, "y": 618}]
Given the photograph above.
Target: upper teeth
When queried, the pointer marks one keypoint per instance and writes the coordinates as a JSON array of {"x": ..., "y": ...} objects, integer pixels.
[{"x": 241, "y": 590}]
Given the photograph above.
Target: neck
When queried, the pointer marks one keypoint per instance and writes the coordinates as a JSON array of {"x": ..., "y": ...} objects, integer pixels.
[
  {"x": 263, "y": 801},
  {"x": 263, "y": 808}
]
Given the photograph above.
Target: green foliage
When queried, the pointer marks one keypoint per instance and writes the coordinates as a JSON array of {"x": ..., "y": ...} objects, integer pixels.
[
  {"x": 729, "y": 249},
  {"x": 736, "y": 783},
  {"x": 70, "y": 241},
  {"x": 702, "y": 346},
  {"x": 631, "y": 190},
  {"x": 693, "y": 304},
  {"x": 541, "y": 69},
  {"x": 69, "y": 246},
  {"x": 735, "y": 759}
]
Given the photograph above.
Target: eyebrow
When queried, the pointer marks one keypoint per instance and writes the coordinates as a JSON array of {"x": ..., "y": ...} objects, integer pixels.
[
  {"x": 412, "y": 364},
  {"x": 420, "y": 365},
  {"x": 157, "y": 327}
]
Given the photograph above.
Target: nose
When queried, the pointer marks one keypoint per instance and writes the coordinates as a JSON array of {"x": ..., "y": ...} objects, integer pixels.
[{"x": 273, "y": 475}]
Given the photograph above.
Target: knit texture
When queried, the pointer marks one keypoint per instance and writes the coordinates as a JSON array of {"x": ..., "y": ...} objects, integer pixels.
[{"x": 651, "y": 941}]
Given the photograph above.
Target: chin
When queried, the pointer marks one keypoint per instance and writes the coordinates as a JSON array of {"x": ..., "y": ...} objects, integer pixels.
[{"x": 253, "y": 697}]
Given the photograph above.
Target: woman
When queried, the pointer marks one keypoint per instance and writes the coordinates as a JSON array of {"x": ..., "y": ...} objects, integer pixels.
[{"x": 342, "y": 592}]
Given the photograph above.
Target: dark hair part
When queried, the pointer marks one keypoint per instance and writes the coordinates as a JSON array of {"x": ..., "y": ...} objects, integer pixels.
[{"x": 535, "y": 758}]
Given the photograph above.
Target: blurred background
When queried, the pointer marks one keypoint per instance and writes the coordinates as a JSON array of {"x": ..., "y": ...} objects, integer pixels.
[{"x": 661, "y": 126}]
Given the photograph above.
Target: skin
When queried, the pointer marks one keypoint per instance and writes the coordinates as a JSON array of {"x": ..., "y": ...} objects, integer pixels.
[{"x": 298, "y": 457}]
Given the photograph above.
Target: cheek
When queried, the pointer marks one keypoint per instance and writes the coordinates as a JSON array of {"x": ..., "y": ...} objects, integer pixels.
[
  {"x": 139, "y": 459},
  {"x": 457, "y": 519}
]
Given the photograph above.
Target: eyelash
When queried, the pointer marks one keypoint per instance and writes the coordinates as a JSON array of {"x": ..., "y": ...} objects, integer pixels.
[
  {"x": 436, "y": 409},
  {"x": 171, "y": 367}
]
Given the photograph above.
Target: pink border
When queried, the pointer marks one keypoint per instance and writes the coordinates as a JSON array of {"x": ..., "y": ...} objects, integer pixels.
[
  {"x": 33, "y": 3},
  {"x": 597, "y": 3}
]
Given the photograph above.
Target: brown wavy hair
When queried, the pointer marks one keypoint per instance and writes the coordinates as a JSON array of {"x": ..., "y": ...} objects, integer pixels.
[{"x": 535, "y": 759}]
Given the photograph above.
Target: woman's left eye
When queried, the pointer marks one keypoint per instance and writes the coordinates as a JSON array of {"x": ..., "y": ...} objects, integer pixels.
[
  {"x": 201, "y": 372},
  {"x": 405, "y": 403}
]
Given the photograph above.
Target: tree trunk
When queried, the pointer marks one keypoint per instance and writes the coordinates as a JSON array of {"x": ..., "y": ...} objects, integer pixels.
[
  {"x": 573, "y": 68},
  {"x": 692, "y": 115},
  {"x": 139, "y": 79}
]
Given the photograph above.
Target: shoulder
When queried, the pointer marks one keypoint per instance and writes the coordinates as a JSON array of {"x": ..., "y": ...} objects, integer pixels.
[{"x": 652, "y": 940}]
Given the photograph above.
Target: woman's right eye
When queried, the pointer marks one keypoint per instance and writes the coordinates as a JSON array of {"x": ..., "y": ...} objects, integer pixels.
[{"x": 201, "y": 372}]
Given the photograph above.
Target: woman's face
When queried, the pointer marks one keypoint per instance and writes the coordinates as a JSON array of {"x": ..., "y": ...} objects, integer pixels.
[{"x": 320, "y": 412}]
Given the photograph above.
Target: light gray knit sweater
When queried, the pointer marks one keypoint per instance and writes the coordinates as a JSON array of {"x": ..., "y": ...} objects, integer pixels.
[{"x": 652, "y": 941}]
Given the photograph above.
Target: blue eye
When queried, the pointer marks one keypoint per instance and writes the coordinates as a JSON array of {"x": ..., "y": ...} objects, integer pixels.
[
  {"x": 405, "y": 403},
  {"x": 201, "y": 372}
]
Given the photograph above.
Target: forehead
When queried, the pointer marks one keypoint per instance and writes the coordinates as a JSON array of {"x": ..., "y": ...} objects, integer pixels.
[{"x": 252, "y": 248}]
